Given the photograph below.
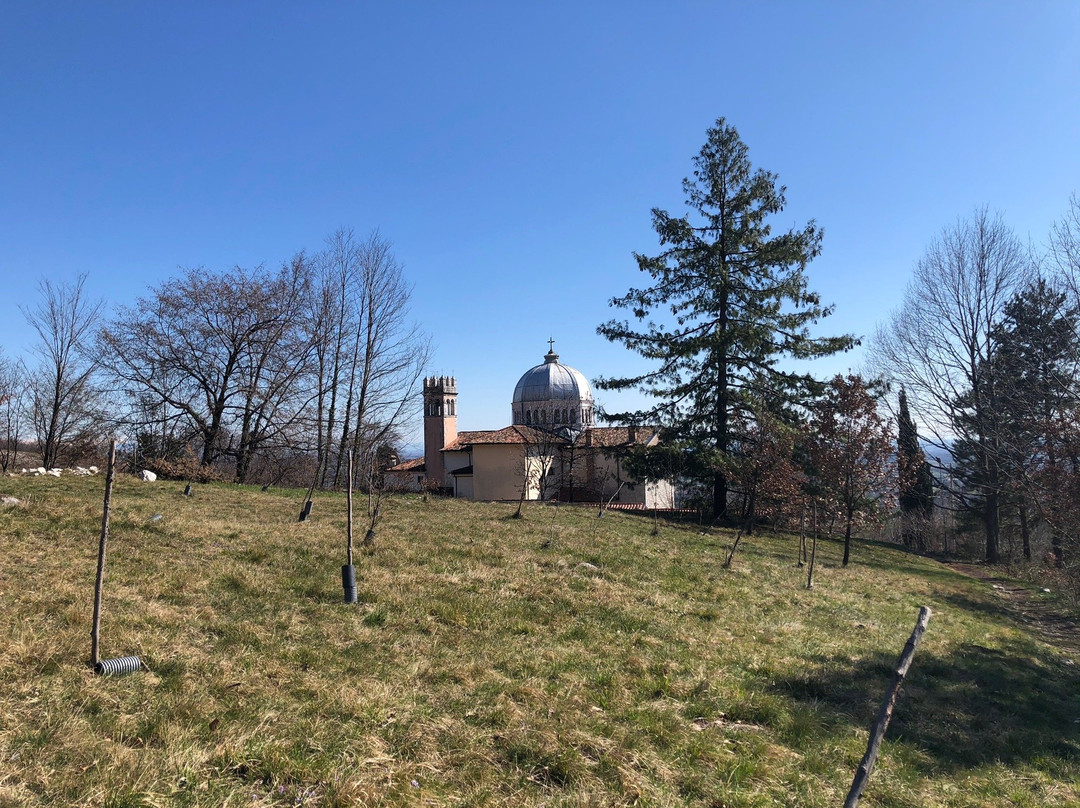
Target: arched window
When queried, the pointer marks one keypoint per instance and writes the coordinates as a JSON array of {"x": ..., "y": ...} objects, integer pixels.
[
  {"x": 528, "y": 416},
  {"x": 556, "y": 417}
]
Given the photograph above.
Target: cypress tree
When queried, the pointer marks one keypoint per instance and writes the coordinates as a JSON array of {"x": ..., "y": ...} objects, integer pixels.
[{"x": 916, "y": 480}]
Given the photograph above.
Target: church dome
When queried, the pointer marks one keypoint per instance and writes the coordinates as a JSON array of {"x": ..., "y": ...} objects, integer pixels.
[{"x": 553, "y": 394}]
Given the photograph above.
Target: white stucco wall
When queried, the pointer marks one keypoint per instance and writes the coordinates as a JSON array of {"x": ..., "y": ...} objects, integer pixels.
[
  {"x": 403, "y": 481},
  {"x": 453, "y": 461}
]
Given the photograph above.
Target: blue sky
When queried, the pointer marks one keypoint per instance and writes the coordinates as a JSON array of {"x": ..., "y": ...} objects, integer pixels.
[{"x": 512, "y": 152}]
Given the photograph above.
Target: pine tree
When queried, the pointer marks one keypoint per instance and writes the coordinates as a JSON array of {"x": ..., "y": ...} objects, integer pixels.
[
  {"x": 729, "y": 299},
  {"x": 915, "y": 478},
  {"x": 1038, "y": 358}
]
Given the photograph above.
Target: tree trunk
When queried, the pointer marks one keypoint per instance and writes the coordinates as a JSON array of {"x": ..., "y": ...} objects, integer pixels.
[
  {"x": 847, "y": 539},
  {"x": 992, "y": 517},
  {"x": 1025, "y": 532},
  {"x": 720, "y": 492},
  {"x": 720, "y": 482},
  {"x": 802, "y": 537},
  {"x": 877, "y": 732}
]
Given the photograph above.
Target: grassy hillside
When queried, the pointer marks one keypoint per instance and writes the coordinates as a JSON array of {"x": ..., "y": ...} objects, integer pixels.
[{"x": 562, "y": 660}]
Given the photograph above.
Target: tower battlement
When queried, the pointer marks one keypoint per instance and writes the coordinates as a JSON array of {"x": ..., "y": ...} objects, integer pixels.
[{"x": 440, "y": 384}]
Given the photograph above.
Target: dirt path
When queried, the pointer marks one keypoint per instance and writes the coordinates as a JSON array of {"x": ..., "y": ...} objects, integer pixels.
[{"x": 1029, "y": 608}]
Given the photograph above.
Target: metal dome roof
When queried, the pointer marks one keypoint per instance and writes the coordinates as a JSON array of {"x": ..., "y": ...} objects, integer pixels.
[{"x": 552, "y": 382}]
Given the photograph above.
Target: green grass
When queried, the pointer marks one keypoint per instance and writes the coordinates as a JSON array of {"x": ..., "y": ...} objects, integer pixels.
[{"x": 492, "y": 661}]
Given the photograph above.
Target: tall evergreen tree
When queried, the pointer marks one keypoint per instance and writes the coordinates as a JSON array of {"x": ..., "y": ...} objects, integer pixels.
[
  {"x": 915, "y": 478},
  {"x": 1038, "y": 360},
  {"x": 730, "y": 300}
]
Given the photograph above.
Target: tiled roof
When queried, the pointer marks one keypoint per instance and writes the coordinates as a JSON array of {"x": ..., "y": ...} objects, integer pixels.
[
  {"x": 610, "y": 436},
  {"x": 506, "y": 435},
  {"x": 414, "y": 465},
  {"x": 604, "y": 437}
]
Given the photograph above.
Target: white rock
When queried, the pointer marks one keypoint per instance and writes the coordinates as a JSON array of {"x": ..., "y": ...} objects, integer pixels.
[
  {"x": 39, "y": 470},
  {"x": 93, "y": 469},
  {"x": 53, "y": 472},
  {"x": 147, "y": 476},
  {"x": 9, "y": 501}
]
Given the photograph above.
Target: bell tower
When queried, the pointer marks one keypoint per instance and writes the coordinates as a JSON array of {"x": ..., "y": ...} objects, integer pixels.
[{"x": 440, "y": 424}]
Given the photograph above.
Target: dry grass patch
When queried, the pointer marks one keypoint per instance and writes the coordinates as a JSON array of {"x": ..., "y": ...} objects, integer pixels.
[{"x": 556, "y": 660}]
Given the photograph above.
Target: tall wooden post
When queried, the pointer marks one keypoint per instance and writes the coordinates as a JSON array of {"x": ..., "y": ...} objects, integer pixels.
[
  {"x": 95, "y": 629},
  {"x": 348, "y": 499}
]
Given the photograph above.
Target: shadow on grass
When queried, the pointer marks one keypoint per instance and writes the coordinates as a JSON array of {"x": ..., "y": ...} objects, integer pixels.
[
  {"x": 973, "y": 707},
  {"x": 988, "y": 608},
  {"x": 896, "y": 558}
]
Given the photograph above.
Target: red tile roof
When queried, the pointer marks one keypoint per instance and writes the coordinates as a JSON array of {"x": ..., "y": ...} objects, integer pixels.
[
  {"x": 414, "y": 465},
  {"x": 610, "y": 436},
  {"x": 605, "y": 437}
]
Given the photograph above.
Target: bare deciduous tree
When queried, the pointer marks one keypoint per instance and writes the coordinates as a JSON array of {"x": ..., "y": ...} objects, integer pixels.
[
  {"x": 372, "y": 357},
  {"x": 12, "y": 400},
  {"x": 1065, "y": 248},
  {"x": 938, "y": 346},
  {"x": 61, "y": 387},
  {"x": 262, "y": 368},
  {"x": 274, "y": 368},
  {"x": 220, "y": 353},
  {"x": 852, "y": 452}
]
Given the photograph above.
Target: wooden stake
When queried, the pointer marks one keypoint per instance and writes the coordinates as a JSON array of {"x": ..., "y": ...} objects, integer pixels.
[
  {"x": 348, "y": 499},
  {"x": 731, "y": 555},
  {"x": 802, "y": 537},
  {"x": 813, "y": 553},
  {"x": 95, "y": 630},
  {"x": 877, "y": 732}
]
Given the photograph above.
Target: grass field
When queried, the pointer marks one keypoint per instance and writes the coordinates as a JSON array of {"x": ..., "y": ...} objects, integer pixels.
[{"x": 559, "y": 660}]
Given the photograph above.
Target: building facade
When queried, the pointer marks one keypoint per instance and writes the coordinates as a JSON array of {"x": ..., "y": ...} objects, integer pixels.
[{"x": 551, "y": 451}]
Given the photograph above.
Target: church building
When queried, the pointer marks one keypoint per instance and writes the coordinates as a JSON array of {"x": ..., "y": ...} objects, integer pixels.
[{"x": 551, "y": 451}]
